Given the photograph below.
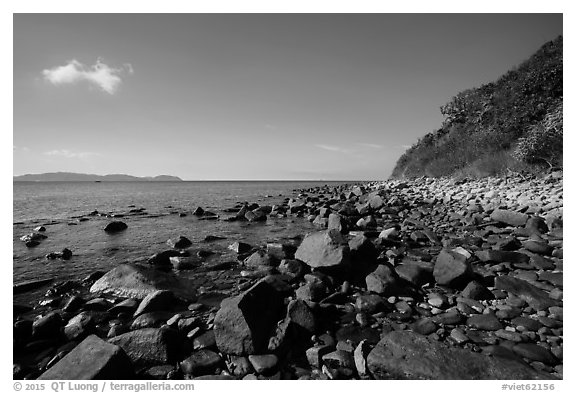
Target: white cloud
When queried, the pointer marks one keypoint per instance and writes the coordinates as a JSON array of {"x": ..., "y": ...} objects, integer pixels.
[
  {"x": 100, "y": 75},
  {"x": 337, "y": 149},
  {"x": 70, "y": 154},
  {"x": 370, "y": 145}
]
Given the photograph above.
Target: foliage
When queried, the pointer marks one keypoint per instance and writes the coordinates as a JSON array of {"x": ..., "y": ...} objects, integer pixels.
[
  {"x": 497, "y": 117},
  {"x": 543, "y": 142}
]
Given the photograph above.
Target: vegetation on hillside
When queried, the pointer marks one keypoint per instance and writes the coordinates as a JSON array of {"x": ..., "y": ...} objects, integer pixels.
[{"x": 513, "y": 123}]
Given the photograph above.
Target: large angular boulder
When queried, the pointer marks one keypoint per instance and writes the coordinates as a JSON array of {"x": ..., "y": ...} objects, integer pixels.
[
  {"x": 244, "y": 323},
  {"x": 148, "y": 347},
  {"x": 135, "y": 281},
  {"x": 409, "y": 355},
  {"x": 155, "y": 301},
  {"x": 384, "y": 280},
  {"x": 93, "y": 358},
  {"x": 509, "y": 217},
  {"x": 452, "y": 269},
  {"x": 535, "y": 297},
  {"x": 324, "y": 249}
]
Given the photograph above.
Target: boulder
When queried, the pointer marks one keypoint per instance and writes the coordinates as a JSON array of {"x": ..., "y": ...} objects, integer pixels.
[
  {"x": 48, "y": 326},
  {"x": 115, "y": 227},
  {"x": 509, "y": 217},
  {"x": 452, "y": 269},
  {"x": 156, "y": 301},
  {"x": 148, "y": 347},
  {"x": 408, "y": 355},
  {"x": 93, "y": 358},
  {"x": 260, "y": 258},
  {"x": 136, "y": 281},
  {"x": 324, "y": 249},
  {"x": 180, "y": 242},
  {"x": 163, "y": 258},
  {"x": 477, "y": 291},
  {"x": 535, "y": 297},
  {"x": 201, "y": 362},
  {"x": 79, "y": 326},
  {"x": 240, "y": 247},
  {"x": 244, "y": 323},
  {"x": 337, "y": 222},
  {"x": 384, "y": 280}
]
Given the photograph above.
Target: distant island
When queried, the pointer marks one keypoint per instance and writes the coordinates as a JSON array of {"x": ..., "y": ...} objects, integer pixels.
[{"x": 68, "y": 176}]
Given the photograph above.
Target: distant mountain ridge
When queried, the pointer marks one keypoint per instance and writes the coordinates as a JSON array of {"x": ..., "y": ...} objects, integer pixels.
[{"x": 69, "y": 176}]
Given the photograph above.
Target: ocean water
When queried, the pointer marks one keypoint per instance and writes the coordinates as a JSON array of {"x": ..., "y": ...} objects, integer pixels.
[{"x": 57, "y": 206}]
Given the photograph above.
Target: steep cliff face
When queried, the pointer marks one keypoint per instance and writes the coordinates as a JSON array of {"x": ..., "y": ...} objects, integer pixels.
[{"x": 514, "y": 122}]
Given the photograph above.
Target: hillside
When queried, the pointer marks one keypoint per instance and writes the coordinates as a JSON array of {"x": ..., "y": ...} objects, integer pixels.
[
  {"x": 513, "y": 123},
  {"x": 68, "y": 176}
]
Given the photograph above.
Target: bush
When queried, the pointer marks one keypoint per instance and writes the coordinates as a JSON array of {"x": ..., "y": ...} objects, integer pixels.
[
  {"x": 543, "y": 142},
  {"x": 520, "y": 113}
]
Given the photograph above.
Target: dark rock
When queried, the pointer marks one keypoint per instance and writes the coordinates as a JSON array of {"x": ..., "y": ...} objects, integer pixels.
[
  {"x": 424, "y": 326},
  {"x": 260, "y": 258},
  {"x": 484, "y": 322},
  {"x": 158, "y": 372},
  {"x": 528, "y": 323},
  {"x": 291, "y": 267},
  {"x": 239, "y": 366},
  {"x": 502, "y": 256},
  {"x": 97, "y": 304},
  {"x": 29, "y": 285},
  {"x": 152, "y": 319},
  {"x": 370, "y": 303},
  {"x": 66, "y": 254},
  {"x": 312, "y": 291},
  {"x": 355, "y": 334},
  {"x": 148, "y": 347},
  {"x": 509, "y": 217},
  {"x": 452, "y": 269},
  {"x": 125, "y": 306},
  {"x": 536, "y": 298},
  {"x": 243, "y": 324},
  {"x": 407, "y": 355},
  {"x": 255, "y": 216},
  {"x": 205, "y": 340},
  {"x": 384, "y": 280},
  {"x": 163, "y": 258},
  {"x": 115, "y": 226},
  {"x": 324, "y": 249},
  {"x": 135, "y": 281},
  {"x": 416, "y": 272},
  {"x": 92, "y": 359},
  {"x": 201, "y": 362},
  {"x": 184, "y": 263},
  {"x": 48, "y": 326},
  {"x": 180, "y": 242},
  {"x": 535, "y": 352},
  {"x": 451, "y": 317},
  {"x": 212, "y": 238},
  {"x": 263, "y": 364},
  {"x": 339, "y": 358},
  {"x": 156, "y": 301},
  {"x": 538, "y": 247},
  {"x": 302, "y": 318},
  {"x": 79, "y": 326},
  {"x": 239, "y": 247},
  {"x": 477, "y": 291},
  {"x": 198, "y": 211}
]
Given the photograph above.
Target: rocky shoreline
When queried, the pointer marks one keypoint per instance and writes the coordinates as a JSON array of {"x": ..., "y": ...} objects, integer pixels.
[{"x": 422, "y": 279}]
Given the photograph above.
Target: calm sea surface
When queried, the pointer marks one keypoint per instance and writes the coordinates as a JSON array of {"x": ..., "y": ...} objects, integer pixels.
[{"x": 57, "y": 205}]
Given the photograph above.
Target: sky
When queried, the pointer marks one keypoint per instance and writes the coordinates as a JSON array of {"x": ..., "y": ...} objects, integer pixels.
[{"x": 248, "y": 96}]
